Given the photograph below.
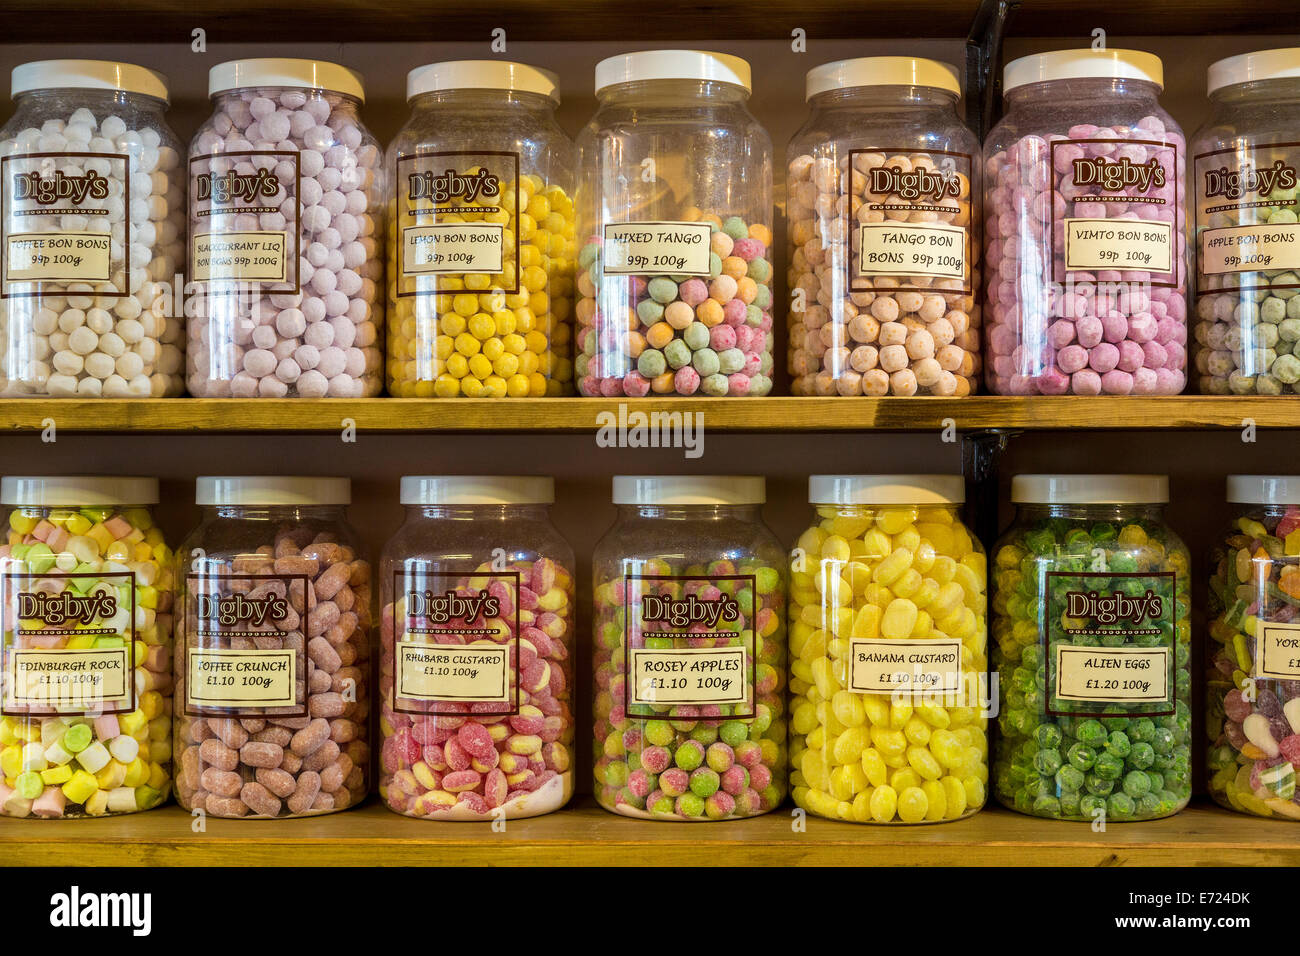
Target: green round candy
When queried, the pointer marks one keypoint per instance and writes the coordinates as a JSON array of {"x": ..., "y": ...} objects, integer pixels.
[
  {"x": 1136, "y": 783},
  {"x": 688, "y": 757},
  {"x": 677, "y": 353},
  {"x": 696, "y": 336},
  {"x": 705, "y": 782},
  {"x": 1108, "y": 767},
  {"x": 690, "y": 805},
  {"x": 662, "y": 289},
  {"x": 716, "y": 384},
  {"x": 649, "y": 311},
  {"x": 760, "y": 270},
  {"x": 651, "y": 363},
  {"x": 730, "y": 360},
  {"x": 733, "y": 733},
  {"x": 29, "y": 785},
  {"x": 706, "y": 362},
  {"x": 77, "y": 738},
  {"x": 735, "y": 227}
]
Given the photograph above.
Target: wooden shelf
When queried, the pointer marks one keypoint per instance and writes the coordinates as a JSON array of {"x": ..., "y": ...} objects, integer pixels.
[
  {"x": 584, "y": 415},
  {"x": 589, "y": 836},
  {"x": 70, "y": 21}
]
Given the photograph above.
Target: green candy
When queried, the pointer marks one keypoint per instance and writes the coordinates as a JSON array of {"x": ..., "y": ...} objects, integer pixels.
[
  {"x": 662, "y": 289},
  {"x": 77, "y": 738},
  {"x": 705, "y": 361},
  {"x": 696, "y": 336},
  {"x": 735, "y": 227},
  {"x": 651, "y": 363},
  {"x": 677, "y": 353}
]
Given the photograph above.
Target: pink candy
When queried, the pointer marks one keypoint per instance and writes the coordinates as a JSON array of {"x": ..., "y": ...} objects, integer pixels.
[{"x": 1095, "y": 325}]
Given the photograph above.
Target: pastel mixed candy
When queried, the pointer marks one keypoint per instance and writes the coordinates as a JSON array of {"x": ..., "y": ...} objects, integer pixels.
[
  {"x": 1111, "y": 317},
  {"x": 89, "y": 142},
  {"x": 257, "y": 761},
  {"x": 94, "y": 755},
  {"x": 441, "y": 761},
  {"x": 1253, "y": 719},
  {"x": 680, "y": 335},
  {"x": 692, "y": 761},
  {"x": 885, "y": 574},
  {"x": 312, "y": 329},
  {"x": 1103, "y": 760}
]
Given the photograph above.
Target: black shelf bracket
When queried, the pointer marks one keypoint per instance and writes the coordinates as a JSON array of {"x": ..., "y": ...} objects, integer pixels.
[{"x": 983, "y": 57}]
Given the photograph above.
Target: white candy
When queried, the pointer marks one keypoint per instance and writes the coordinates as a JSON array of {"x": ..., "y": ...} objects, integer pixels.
[{"x": 75, "y": 333}]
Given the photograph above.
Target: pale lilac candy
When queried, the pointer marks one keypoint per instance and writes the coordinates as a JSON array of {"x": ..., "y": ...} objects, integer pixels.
[
  {"x": 1117, "y": 382},
  {"x": 1060, "y": 333},
  {"x": 1104, "y": 357},
  {"x": 291, "y": 323},
  {"x": 318, "y": 138},
  {"x": 332, "y": 361},
  {"x": 1085, "y": 382},
  {"x": 343, "y": 386},
  {"x": 306, "y": 356},
  {"x": 243, "y": 385},
  {"x": 271, "y": 387},
  {"x": 345, "y": 331},
  {"x": 319, "y": 334},
  {"x": 310, "y": 193},
  {"x": 315, "y": 218},
  {"x": 312, "y": 384},
  {"x": 317, "y": 254},
  {"x": 276, "y": 126},
  {"x": 336, "y": 304},
  {"x": 324, "y": 282},
  {"x": 355, "y": 362},
  {"x": 1072, "y": 358},
  {"x": 284, "y": 348},
  {"x": 259, "y": 362},
  {"x": 263, "y": 337},
  {"x": 329, "y": 179},
  {"x": 261, "y": 107},
  {"x": 313, "y": 309}
]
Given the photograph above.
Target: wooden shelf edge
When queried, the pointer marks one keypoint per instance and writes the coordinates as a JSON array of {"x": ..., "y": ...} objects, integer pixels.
[
  {"x": 589, "y": 415},
  {"x": 586, "y": 835}
]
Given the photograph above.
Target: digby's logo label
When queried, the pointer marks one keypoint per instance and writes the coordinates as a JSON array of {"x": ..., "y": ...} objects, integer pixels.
[
  {"x": 1113, "y": 608},
  {"x": 920, "y": 183},
  {"x": 453, "y": 185},
  {"x": 1118, "y": 175},
  {"x": 226, "y": 188},
  {"x": 60, "y": 187},
  {"x": 684, "y": 612},
  {"x": 1237, "y": 183},
  {"x": 238, "y": 609},
  {"x": 66, "y": 607},
  {"x": 442, "y": 608}
]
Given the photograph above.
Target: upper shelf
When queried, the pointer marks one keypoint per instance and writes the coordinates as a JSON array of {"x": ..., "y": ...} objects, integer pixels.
[
  {"x": 70, "y": 21},
  {"x": 587, "y": 415}
]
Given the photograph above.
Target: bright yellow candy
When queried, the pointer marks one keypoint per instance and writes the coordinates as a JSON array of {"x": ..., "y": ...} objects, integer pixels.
[{"x": 862, "y": 579}]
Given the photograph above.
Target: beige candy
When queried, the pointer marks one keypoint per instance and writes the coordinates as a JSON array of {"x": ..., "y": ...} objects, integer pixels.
[{"x": 884, "y": 335}]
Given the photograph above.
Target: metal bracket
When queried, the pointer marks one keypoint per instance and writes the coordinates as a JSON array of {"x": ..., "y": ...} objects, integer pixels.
[
  {"x": 981, "y": 453},
  {"x": 983, "y": 54}
]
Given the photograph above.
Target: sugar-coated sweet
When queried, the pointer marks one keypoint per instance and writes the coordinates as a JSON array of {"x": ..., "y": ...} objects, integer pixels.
[
  {"x": 60, "y": 761},
  {"x": 1053, "y": 330},
  {"x": 876, "y": 341},
  {"x": 89, "y": 339},
  {"x": 1253, "y": 721},
  {"x": 238, "y": 762},
  {"x": 438, "y": 762},
  {"x": 886, "y": 574},
  {"x": 644, "y": 334},
  {"x": 319, "y": 333},
  {"x": 1106, "y": 760},
  {"x": 692, "y": 762}
]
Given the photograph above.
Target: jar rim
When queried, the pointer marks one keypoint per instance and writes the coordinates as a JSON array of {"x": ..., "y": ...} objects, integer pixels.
[
  {"x": 646, "y": 65},
  {"x": 285, "y": 72},
  {"x": 106, "y": 75},
  {"x": 1282, "y": 63},
  {"x": 881, "y": 71},
  {"x": 271, "y": 490},
  {"x": 500, "y": 75},
  {"x": 690, "y": 490},
  {"x": 1090, "y": 489},
  {"x": 77, "y": 491},
  {"x": 886, "y": 490},
  {"x": 1083, "y": 64},
  {"x": 1263, "y": 489},
  {"x": 420, "y": 490}
]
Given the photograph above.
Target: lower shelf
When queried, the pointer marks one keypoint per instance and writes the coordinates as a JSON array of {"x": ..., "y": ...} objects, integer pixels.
[{"x": 585, "y": 835}]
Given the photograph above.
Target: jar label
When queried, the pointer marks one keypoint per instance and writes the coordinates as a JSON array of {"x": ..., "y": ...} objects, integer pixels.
[
  {"x": 57, "y": 211},
  {"x": 245, "y": 650},
  {"x": 246, "y": 219},
  {"x": 913, "y": 218},
  {"x": 1121, "y": 214},
  {"x": 1109, "y": 640},
  {"x": 879, "y": 666},
  {"x": 219, "y": 677},
  {"x": 454, "y": 647},
  {"x": 68, "y": 642},
  {"x": 454, "y": 218},
  {"x": 1092, "y": 244},
  {"x": 240, "y": 256},
  {"x": 1109, "y": 675},
  {"x": 689, "y": 642},
  {"x": 1238, "y": 190},
  {"x": 1264, "y": 247},
  {"x": 1277, "y": 653},
  {"x": 657, "y": 248}
]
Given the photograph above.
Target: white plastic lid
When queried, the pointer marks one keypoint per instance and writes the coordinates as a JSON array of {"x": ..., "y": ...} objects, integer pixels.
[
  {"x": 1249, "y": 67},
  {"x": 881, "y": 71},
  {"x": 1084, "y": 65},
  {"x": 271, "y": 490},
  {"x": 673, "y": 65},
  {"x": 1090, "y": 489},
  {"x": 689, "y": 490},
  {"x": 477, "y": 490},
  {"x": 88, "y": 75},
  {"x": 886, "y": 489},
  {"x": 482, "y": 75},
  {"x": 1264, "y": 489},
  {"x": 78, "y": 491},
  {"x": 284, "y": 71}
]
